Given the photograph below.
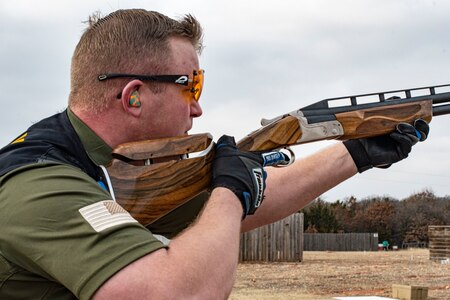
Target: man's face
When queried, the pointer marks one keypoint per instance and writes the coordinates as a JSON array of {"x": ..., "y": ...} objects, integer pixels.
[{"x": 172, "y": 111}]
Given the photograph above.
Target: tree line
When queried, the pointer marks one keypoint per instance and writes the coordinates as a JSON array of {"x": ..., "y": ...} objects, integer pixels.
[{"x": 397, "y": 221}]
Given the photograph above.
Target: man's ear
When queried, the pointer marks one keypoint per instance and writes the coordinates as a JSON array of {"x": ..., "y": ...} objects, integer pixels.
[{"x": 131, "y": 100}]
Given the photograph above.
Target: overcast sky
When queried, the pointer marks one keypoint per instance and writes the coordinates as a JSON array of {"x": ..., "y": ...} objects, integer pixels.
[{"x": 262, "y": 59}]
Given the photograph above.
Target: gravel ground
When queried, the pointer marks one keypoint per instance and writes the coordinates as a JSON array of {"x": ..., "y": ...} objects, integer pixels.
[{"x": 324, "y": 275}]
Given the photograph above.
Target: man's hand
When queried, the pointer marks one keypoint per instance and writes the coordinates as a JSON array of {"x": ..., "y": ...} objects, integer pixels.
[
  {"x": 383, "y": 151},
  {"x": 241, "y": 172}
]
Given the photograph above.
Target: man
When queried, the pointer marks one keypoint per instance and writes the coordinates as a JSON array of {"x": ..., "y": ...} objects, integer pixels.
[
  {"x": 60, "y": 235},
  {"x": 385, "y": 245}
]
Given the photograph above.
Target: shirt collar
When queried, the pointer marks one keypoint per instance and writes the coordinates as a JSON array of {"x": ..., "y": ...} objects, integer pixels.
[{"x": 98, "y": 151}]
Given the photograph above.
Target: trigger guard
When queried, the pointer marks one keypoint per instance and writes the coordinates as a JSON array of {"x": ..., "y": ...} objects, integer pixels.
[{"x": 288, "y": 151}]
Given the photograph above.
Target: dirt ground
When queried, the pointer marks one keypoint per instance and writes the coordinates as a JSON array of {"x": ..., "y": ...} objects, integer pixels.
[{"x": 324, "y": 275}]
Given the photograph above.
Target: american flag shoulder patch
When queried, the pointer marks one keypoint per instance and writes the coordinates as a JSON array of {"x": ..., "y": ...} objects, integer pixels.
[{"x": 105, "y": 214}]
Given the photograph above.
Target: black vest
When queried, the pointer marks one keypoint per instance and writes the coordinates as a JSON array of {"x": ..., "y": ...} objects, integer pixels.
[{"x": 51, "y": 140}]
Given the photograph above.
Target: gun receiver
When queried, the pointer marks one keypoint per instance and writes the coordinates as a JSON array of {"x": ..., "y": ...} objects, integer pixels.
[{"x": 152, "y": 178}]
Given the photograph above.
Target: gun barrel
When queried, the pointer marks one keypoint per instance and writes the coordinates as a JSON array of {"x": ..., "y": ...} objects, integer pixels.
[
  {"x": 441, "y": 98},
  {"x": 439, "y": 110}
]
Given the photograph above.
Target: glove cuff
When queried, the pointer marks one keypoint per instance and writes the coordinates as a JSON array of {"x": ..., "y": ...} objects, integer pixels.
[{"x": 359, "y": 155}]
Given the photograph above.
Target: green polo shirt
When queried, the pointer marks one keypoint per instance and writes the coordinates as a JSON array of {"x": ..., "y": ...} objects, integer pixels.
[{"x": 61, "y": 235}]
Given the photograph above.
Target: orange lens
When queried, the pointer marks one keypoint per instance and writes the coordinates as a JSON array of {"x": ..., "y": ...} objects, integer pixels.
[{"x": 197, "y": 84}]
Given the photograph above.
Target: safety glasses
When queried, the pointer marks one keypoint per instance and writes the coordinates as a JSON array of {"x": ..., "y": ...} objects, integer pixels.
[{"x": 195, "y": 84}]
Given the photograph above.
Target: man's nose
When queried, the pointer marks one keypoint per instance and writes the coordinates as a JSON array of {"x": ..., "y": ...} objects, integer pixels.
[{"x": 196, "y": 109}]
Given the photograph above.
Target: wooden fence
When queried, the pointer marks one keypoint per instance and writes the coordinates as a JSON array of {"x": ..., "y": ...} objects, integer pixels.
[
  {"x": 340, "y": 242},
  {"x": 280, "y": 241},
  {"x": 439, "y": 242}
]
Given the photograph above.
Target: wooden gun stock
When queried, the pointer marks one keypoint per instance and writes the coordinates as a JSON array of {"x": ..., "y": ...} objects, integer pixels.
[
  {"x": 152, "y": 178},
  {"x": 290, "y": 130},
  {"x": 382, "y": 120}
]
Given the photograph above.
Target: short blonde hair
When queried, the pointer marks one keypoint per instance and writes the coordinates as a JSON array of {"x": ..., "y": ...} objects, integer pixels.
[{"x": 120, "y": 43}]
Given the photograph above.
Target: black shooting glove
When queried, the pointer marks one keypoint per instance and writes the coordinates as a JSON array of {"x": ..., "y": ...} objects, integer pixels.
[
  {"x": 241, "y": 172},
  {"x": 383, "y": 151}
]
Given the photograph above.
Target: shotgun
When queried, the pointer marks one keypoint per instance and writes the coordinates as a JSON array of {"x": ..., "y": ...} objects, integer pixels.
[{"x": 151, "y": 178}]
